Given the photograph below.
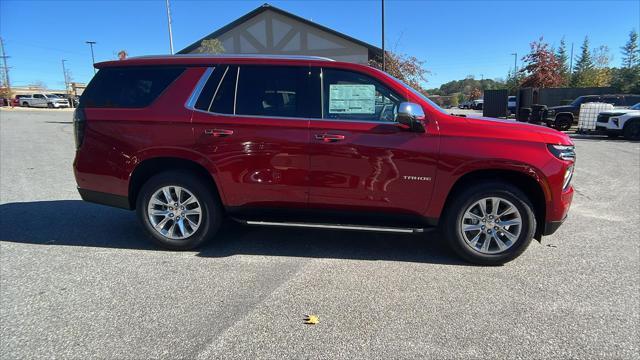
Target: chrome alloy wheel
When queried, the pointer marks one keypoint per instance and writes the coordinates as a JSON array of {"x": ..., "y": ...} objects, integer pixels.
[
  {"x": 174, "y": 212},
  {"x": 491, "y": 225}
]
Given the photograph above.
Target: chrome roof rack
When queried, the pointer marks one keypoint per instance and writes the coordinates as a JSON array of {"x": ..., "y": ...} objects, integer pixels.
[{"x": 235, "y": 56}]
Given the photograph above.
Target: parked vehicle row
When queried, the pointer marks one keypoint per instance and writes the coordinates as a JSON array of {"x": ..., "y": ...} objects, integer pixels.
[
  {"x": 47, "y": 100},
  {"x": 44, "y": 100},
  {"x": 472, "y": 104},
  {"x": 308, "y": 142},
  {"x": 562, "y": 117}
]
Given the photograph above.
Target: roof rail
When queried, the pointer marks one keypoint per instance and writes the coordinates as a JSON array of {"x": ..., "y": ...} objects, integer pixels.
[{"x": 235, "y": 56}]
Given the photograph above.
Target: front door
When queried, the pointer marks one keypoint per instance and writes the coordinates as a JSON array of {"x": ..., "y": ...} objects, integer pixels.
[
  {"x": 361, "y": 159},
  {"x": 252, "y": 124}
]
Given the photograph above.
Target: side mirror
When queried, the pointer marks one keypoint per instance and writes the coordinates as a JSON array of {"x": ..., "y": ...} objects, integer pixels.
[{"x": 411, "y": 115}]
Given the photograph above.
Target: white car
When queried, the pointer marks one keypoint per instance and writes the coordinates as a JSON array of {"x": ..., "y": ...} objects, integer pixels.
[
  {"x": 618, "y": 122},
  {"x": 44, "y": 100}
]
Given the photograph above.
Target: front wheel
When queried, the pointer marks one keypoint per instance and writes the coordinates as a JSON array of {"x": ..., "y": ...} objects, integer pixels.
[
  {"x": 179, "y": 210},
  {"x": 490, "y": 224},
  {"x": 632, "y": 130},
  {"x": 563, "y": 122}
]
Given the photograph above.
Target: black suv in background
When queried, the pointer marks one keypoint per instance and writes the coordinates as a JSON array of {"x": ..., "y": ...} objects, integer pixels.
[{"x": 563, "y": 116}]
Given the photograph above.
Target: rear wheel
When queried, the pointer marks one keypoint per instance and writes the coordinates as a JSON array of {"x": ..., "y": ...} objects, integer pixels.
[
  {"x": 563, "y": 122},
  {"x": 490, "y": 224},
  {"x": 25, "y": 104},
  {"x": 632, "y": 130},
  {"x": 178, "y": 210}
]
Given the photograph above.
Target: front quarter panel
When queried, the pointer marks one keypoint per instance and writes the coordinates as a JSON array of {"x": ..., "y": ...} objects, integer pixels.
[{"x": 468, "y": 146}]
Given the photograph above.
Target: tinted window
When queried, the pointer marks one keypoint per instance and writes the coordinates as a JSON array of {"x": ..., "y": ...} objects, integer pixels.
[
  {"x": 38, "y": 96},
  {"x": 132, "y": 87},
  {"x": 614, "y": 100},
  {"x": 281, "y": 91},
  {"x": 353, "y": 96},
  {"x": 630, "y": 100},
  {"x": 221, "y": 84}
]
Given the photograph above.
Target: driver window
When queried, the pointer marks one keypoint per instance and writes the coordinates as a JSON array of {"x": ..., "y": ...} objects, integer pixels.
[{"x": 353, "y": 96}]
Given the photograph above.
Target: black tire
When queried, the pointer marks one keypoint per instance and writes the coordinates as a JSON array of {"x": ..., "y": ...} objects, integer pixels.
[
  {"x": 25, "y": 104},
  {"x": 455, "y": 211},
  {"x": 211, "y": 216},
  {"x": 563, "y": 122},
  {"x": 632, "y": 130},
  {"x": 50, "y": 105}
]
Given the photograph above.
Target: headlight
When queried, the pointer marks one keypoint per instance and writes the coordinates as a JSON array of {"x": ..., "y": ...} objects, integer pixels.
[
  {"x": 551, "y": 112},
  {"x": 563, "y": 152}
]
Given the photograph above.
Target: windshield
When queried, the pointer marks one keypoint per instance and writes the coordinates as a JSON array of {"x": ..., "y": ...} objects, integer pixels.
[
  {"x": 636, "y": 107},
  {"x": 416, "y": 92}
]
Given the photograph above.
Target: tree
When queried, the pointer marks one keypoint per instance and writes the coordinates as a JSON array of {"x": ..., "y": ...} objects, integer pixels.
[
  {"x": 600, "y": 76},
  {"x": 631, "y": 52},
  {"x": 514, "y": 79},
  {"x": 542, "y": 68},
  {"x": 584, "y": 67},
  {"x": 475, "y": 94},
  {"x": 406, "y": 68},
  {"x": 563, "y": 58},
  {"x": 627, "y": 78},
  {"x": 210, "y": 46},
  {"x": 454, "y": 100}
]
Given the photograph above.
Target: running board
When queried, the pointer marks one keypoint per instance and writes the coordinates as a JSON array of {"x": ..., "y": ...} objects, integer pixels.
[{"x": 337, "y": 226}]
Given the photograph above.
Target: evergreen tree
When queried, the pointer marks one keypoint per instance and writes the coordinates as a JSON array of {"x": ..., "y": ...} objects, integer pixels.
[
  {"x": 584, "y": 66},
  {"x": 563, "y": 58},
  {"x": 627, "y": 78},
  {"x": 631, "y": 52}
]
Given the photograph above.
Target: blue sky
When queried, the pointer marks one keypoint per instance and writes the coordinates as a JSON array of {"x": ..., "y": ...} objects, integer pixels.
[{"x": 454, "y": 38}]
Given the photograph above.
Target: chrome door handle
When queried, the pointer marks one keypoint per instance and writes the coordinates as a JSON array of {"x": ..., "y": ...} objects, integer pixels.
[
  {"x": 218, "y": 132},
  {"x": 329, "y": 137}
]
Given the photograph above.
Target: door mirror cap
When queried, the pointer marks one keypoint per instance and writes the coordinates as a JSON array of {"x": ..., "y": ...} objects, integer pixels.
[{"x": 411, "y": 115}]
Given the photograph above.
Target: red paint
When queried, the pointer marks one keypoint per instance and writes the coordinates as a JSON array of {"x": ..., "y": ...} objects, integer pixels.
[{"x": 273, "y": 162}]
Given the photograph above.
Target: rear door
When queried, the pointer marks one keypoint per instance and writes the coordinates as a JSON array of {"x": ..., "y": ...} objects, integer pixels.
[
  {"x": 39, "y": 100},
  {"x": 361, "y": 159},
  {"x": 252, "y": 123}
]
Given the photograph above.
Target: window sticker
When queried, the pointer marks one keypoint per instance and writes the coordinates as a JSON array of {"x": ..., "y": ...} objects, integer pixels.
[{"x": 352, "y": 99}]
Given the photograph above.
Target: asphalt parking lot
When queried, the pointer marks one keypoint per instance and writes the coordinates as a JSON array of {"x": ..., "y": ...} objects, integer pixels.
[{"x": 81, "y": 281}]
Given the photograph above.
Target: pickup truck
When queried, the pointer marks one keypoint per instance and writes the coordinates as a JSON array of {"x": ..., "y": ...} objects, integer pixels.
[{"x": 44, "y": 100}]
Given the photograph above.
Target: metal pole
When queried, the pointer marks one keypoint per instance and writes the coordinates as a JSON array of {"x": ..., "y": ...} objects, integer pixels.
[
  {"x": 170, "y": 31},
  {"x": 93, "y": 59},
  {"x": 64, "y": 73},
  {"x": 4, "y": 57},
  {"x": 571, "y": 61},
  {"x": 384, "y": 63},
  {"x": 515, "y": 63}
]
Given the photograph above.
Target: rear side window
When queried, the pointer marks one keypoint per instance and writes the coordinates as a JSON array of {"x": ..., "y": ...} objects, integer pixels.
[
  {"x": 630, "y": 100},
  {"x": 219, "y": 91},
  {"x": 130, "y": 87},
  {"x": 613, "y": 100},
  {"x": 280, "y": 91}
]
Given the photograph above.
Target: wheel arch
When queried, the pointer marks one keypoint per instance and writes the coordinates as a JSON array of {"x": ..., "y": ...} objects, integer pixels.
[
  {"x": 528, "y": 184},
  {"x": 631, "y": 120},
  {"x": 152, "y": 166}
]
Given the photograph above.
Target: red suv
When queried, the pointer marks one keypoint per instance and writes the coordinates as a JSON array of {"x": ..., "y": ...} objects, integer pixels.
[{"x": 309, "y": 142}]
